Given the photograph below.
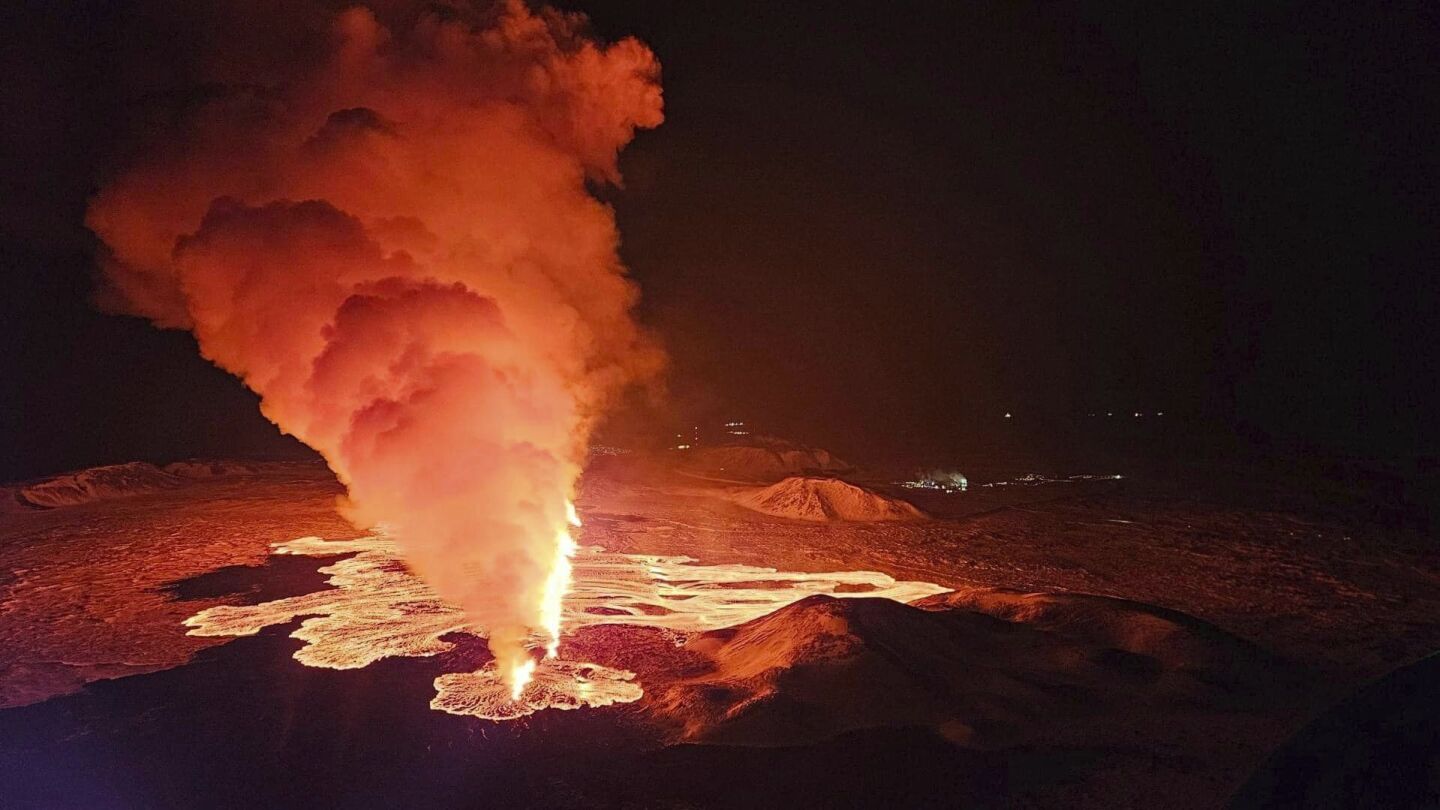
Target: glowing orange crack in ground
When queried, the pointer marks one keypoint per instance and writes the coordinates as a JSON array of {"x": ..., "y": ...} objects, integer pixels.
[{"x": 378, "y": 609}]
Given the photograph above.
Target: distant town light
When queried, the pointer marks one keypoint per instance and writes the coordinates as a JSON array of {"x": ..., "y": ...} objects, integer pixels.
[{"x": 946, "y": 482}]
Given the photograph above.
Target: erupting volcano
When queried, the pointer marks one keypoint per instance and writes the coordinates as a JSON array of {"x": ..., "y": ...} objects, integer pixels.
[
  {"x": 1025, "y": 407},
  {"x": 391, "y": 241}
]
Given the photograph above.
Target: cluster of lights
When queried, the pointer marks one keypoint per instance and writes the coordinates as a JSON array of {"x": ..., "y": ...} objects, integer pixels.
[
  {"x": 607, "y": 450},
  {"x": 951, "y": 483},
  {"x": 1135, "y": 414},
  {"x": 682, "y": 442},
  {"x": 1035, "y": 479},
  {"x": 938, "y": 486},
  {"x": 939, "y": 481}
]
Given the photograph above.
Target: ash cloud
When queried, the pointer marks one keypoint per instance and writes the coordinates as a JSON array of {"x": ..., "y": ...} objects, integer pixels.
[{"x": 388, "y": 237}]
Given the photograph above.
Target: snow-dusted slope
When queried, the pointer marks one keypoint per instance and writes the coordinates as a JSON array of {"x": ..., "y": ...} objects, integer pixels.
[
  {"x": 98, "y": 484},
  {"x": 826, "y": 499},
  {"x": 984, "y": 668}
]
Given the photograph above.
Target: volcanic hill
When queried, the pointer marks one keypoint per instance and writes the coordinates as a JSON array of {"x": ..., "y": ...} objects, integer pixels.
[
  {"x": 983, "y": 667},
  {"x": 826, "y": 499}
]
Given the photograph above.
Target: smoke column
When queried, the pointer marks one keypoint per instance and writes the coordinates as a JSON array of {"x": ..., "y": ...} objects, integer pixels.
[{"x": 389, "y": 238}]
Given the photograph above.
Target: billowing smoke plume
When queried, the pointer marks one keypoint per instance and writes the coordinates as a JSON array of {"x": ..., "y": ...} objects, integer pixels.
[{"x": 391, "y": 241}]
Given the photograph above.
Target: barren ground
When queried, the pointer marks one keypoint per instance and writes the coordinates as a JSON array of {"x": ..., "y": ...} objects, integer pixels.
[{"x": 95, "y": 592}]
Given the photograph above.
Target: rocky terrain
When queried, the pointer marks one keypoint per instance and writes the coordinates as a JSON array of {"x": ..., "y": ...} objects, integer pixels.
[{"x": 1104, "y": 642}]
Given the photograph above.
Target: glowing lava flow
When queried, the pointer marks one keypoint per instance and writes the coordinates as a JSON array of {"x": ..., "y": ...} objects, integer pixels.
[{"x": 378, "y": 609}]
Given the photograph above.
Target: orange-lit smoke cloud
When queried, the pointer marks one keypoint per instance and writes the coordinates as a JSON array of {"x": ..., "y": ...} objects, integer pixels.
[{"x": 391, "y": 241}]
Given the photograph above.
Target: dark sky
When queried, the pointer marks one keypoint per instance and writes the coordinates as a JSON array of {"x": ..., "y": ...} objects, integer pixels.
[{"x": 882, "y": 226}]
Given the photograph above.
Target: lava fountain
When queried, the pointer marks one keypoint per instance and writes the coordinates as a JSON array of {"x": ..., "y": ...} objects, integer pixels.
[
  {"x": 378, "y": 219},
  {"x": 552, "y": 606}
]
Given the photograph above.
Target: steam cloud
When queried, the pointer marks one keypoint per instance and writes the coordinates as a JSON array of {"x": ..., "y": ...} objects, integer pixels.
[{"x": 391, "y": 241}]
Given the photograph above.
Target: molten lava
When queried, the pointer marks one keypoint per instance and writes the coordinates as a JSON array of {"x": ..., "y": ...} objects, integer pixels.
[{"x": 378, "y": 609}]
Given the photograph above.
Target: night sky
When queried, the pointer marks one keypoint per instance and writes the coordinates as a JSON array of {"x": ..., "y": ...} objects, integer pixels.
[{"x": 880, "y": 227}]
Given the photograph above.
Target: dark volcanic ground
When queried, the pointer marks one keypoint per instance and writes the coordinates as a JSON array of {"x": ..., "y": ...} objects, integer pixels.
[
  {"x": 97, "y": 590},
  {"x": 244, "y": 726}
]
